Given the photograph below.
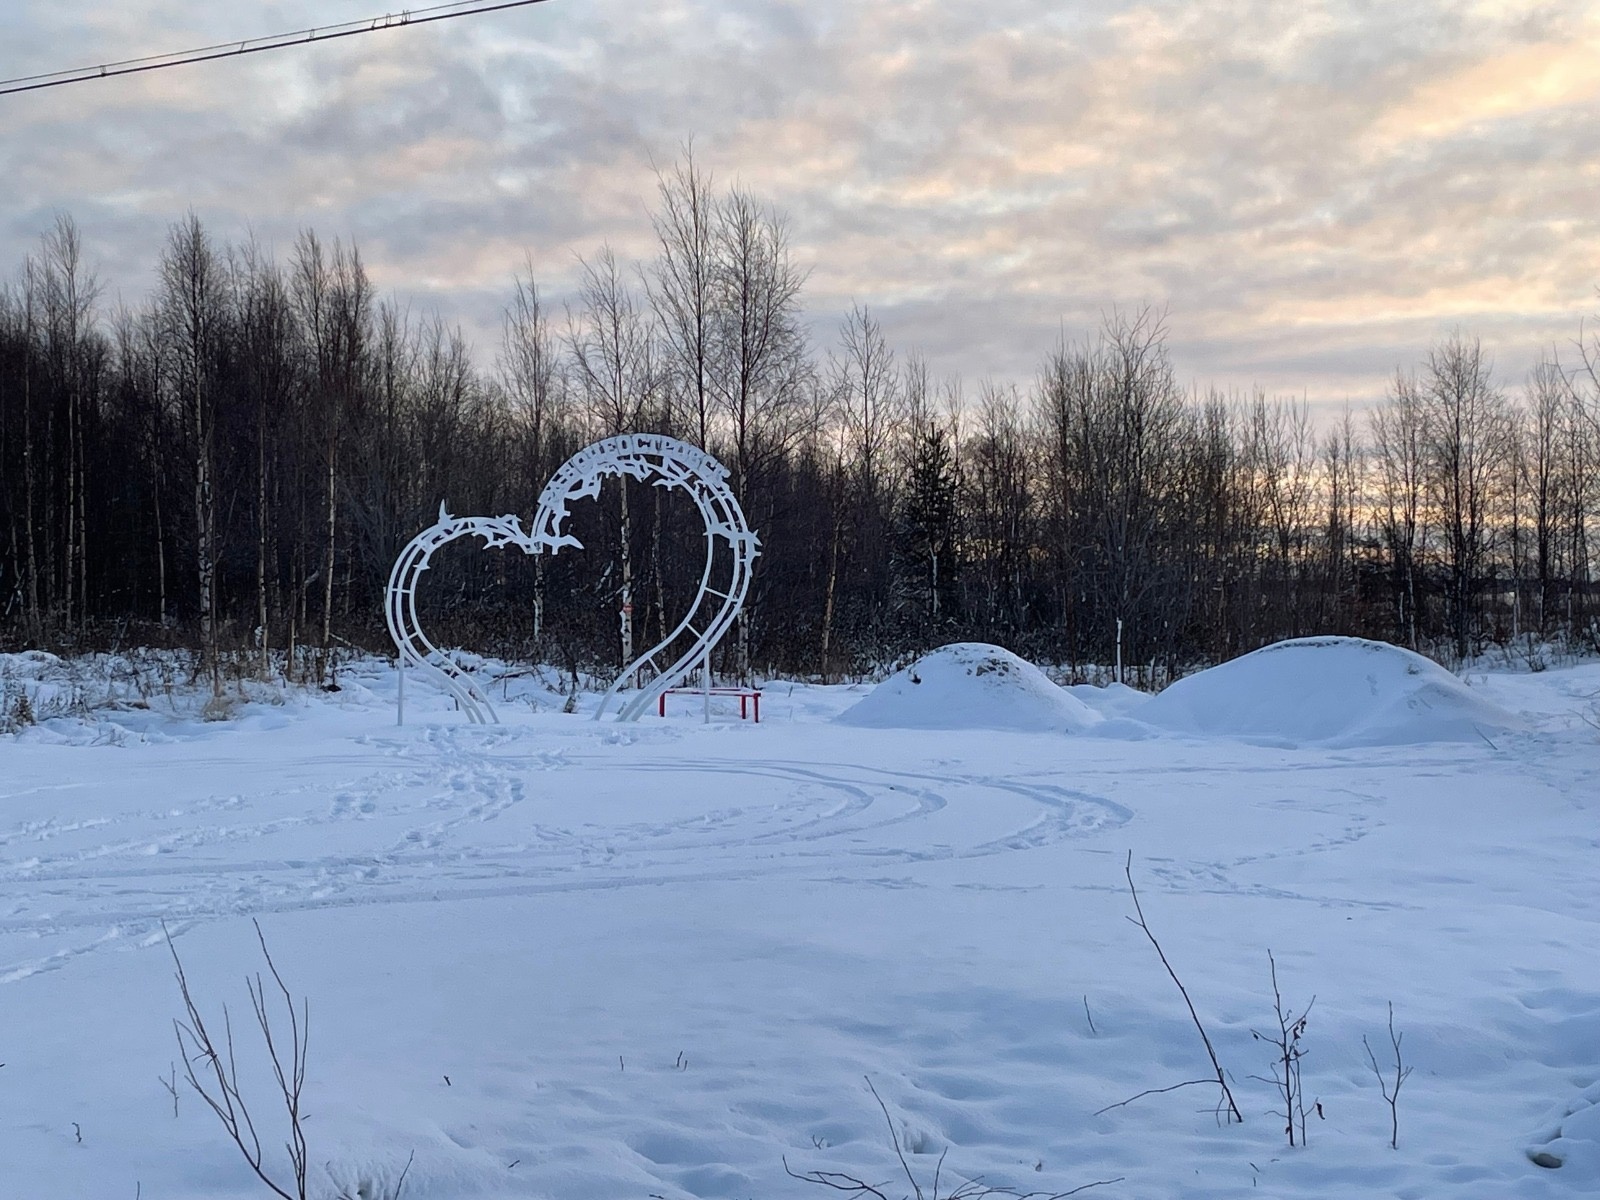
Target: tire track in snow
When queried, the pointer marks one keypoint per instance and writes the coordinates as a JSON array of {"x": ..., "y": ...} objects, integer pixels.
[{"x": 824, "y": 818}]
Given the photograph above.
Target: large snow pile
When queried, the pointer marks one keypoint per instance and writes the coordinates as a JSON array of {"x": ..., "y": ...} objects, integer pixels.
[
  {"x": 971, "y": 685},
  {"x": 1329, "y": 691}
]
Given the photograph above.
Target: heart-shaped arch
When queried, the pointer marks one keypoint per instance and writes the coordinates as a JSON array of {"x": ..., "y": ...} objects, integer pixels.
[{"x": 664, "y": 461}]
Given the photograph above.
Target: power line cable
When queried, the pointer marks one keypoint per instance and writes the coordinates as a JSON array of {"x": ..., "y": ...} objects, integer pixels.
[{"x": 279, "y": 41}]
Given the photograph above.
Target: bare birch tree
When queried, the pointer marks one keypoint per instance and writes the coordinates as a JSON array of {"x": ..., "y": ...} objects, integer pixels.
[
  {"x": 192, "y": 284},
  {"x": 612, "y": 352},
  {"x": 1465, "y": 423},
  {"x": 684, "y": 284},
  {"x": 530, "y": 372},
  {"x": 1400, "y": 466}
]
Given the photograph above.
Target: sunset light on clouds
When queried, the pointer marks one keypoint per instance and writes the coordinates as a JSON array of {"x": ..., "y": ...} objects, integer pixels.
[{"x": 1315, "y": 192}]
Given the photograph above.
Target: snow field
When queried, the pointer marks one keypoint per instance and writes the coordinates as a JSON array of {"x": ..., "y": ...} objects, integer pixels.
[{"x": 658, "y": 959}]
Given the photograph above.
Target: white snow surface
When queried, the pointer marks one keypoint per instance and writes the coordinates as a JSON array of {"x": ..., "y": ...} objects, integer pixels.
[
  {"x": 971, "y": 685},
  {"x": 1109, "y": 699},
  {"x": 577, "y": 960},
  {"x": 1329, "y": 691}
]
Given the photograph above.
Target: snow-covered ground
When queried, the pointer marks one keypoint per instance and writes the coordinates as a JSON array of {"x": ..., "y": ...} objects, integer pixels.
[{"x": 577, "y": 960}]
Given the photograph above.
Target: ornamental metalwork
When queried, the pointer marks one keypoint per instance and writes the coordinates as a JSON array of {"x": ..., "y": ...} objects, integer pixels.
[{"x": 652, "y": 458}]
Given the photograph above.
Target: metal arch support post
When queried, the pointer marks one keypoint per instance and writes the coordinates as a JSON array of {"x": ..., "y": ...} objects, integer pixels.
[{"x": 664, "y": 461}]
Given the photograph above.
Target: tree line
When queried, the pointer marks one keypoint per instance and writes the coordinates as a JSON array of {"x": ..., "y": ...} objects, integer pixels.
[{"x": 233, "y": 465}]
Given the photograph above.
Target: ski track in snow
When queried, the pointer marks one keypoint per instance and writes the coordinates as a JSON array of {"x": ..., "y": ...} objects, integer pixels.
[
  {"x": 456, "y": 799},
  {"x": 446, "y": 786},
  {"x": 86, "y": 874}
]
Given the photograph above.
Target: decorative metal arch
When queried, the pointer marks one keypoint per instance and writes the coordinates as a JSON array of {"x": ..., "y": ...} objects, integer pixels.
[
  {"x": 664, "y": 461},
  {"x": 416, "y": 652}
]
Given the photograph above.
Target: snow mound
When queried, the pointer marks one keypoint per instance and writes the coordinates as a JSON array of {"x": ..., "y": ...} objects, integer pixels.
[
  {"x": 1109, "y": 699},
  {"x": 1329, "y": 691},
  {"x": 971, "y": 685}
]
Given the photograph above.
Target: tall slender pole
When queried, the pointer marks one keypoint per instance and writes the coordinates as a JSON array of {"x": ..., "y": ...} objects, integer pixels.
[{"x": 400, "y": 706}]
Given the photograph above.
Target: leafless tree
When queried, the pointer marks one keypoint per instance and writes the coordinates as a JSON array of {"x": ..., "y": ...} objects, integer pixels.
[
  {"x": 866, "y": 386},
  {"x": 865, "y": 383},
  {"x": 191, "y": 305},
  {"x": 265, "y": 347},
  {"x": 1547, "y": 395},
  {"x": 1343, "y": 471},
  {"x": 334, "y": 301},
  {"x": 1580, "y": 456},
  {"x": 613, "y": 356},
  {"x": 762, "y": 371},
  {"x": 66, "y": 292},
  {"x": 685, "y": 287},
  {"x": 1282, "y": 456},
  {"x": 531, "y": 372},
  {"x": 1399, "y": 449},
  {"x": 1111, "y": 418},
  {"x": 1464, "y": 419},
  {"x": 999, "y": 504}
]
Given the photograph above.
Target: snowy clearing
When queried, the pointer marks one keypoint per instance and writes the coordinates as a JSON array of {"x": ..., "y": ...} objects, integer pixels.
[{"x": 584, "y": 961}]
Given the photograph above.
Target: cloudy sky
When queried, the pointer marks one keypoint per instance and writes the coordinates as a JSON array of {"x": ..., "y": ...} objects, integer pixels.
[{"x": 1314, "y": 190}]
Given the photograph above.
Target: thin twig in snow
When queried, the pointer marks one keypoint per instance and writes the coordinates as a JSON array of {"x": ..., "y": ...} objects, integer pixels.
[
  {"x": 1391, "y": 1090},
  {"x": 1153, "y": 1092},
  {"x": 1222, "y": 1082}
]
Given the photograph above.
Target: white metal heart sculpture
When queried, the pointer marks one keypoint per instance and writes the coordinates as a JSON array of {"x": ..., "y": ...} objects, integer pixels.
[{"x": 664, "y": 461}]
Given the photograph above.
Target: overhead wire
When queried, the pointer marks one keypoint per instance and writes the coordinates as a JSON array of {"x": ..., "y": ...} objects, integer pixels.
[{"x": 280, "y": 41}]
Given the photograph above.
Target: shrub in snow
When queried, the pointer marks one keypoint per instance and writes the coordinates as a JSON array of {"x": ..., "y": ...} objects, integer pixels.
[
  {"x": 1288, "y": 1047},
  {"x": 1329, "y": 691},
  {"x": 219, "y": 708},
  {"x": 971, "y": 685},
  {"x": 212, "y": 1070},
  {"x": 16, "y": 710}
]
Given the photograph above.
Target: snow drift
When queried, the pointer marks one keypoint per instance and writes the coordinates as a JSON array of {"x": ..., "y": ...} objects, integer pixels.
[
  {"x": 1109, "y": 699},
  {"x": 1329, "y": 691},
  {"x": 971, "y": 685}
]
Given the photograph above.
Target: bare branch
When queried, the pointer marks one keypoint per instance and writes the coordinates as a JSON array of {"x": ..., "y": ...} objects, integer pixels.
[
  {"x": 1153, "y": 1092},
  {"x": 836, "y": 1180},
  {"x": 1222, "y": 1082},
  {"x": 894, "y": 1140}
]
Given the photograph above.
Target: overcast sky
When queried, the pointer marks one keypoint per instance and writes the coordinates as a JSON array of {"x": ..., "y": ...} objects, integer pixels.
[{"x": 1315, "y": 191}]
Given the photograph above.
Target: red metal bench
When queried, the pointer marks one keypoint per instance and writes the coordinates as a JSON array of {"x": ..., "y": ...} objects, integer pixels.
[{"x": 747, "y": 696}]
